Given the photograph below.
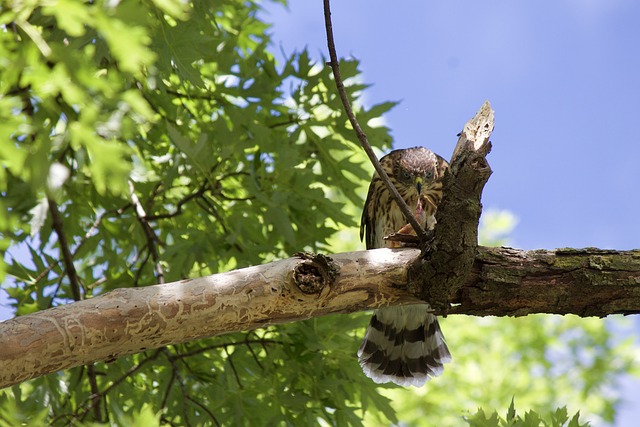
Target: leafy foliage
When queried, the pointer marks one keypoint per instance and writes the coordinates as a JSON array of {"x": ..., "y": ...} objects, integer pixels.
[
  {"x": 559, "y": 418},
  {"x": 170, "y": 143},
  {"x": 160, "y": 140},
  {"x": 544, "y": 361}
]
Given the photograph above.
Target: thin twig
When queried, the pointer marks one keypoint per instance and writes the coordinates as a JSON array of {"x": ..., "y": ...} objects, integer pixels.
[
  {"x": 233, "y": 367},
  {"x": 88, "y": 403},
  {"x": 67, "y": 258},
  {"x": 136, "y": 279},
  {"x": 224, "y": 345},
  {"x": 180, "y": 380},
  {"x": 167, "y": 392},
  {"x": 152, "y": 239},
  {"x": 178, "y": 210},
  {"x": 46, "y": 271},
  {"x": 95, "y": 392},
  {"x": 335, "y": 66},
  {"x": 253, "y": 353},
  {"x": 95, "y": 225},
  {"x": 204, "y": 408}
]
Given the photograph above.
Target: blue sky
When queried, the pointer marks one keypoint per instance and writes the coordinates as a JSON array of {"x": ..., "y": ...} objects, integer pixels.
[{"x": 562, "y": 76}]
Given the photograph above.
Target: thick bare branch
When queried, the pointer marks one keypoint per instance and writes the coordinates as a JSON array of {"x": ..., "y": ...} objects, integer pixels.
[
  {"x": 130, "y": 320},
  {"x": 586, "y": 282},
  {"x": 503, "y": 282}
]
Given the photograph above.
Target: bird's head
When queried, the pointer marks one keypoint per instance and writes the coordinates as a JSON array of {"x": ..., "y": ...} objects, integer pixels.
[
  {"x": 417, "y": 173},
  {"x": 420, "y": 177}
]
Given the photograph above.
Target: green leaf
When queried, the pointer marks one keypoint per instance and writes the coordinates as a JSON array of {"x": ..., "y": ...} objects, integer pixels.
[
  {"x": 559, "y": 417},
  {"x": 575, "y": 421},
  {"x": 71, "y": 16},
  {"x": 511, "y": 412},
  {"x": 175, "y": 8},
  {"x": 108, "y": 163},
  {"x": 128, "y": 44}
]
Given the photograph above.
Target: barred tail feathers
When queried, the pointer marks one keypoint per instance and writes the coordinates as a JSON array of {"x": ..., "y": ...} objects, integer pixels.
[{"x": 403, "y": 345}]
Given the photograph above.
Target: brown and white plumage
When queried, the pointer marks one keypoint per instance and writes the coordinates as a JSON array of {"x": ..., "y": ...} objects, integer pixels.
[{"x": 403, "y": 345}]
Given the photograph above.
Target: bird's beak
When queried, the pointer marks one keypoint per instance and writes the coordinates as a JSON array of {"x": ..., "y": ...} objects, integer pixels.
[{"x": 419, "y": 185}]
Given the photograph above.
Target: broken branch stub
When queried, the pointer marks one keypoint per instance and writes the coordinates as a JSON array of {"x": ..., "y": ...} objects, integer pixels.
[{"x": 449, "y": 258}]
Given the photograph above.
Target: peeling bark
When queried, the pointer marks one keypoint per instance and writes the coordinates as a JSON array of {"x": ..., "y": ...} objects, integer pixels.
[{"x": 130, "y": 320}]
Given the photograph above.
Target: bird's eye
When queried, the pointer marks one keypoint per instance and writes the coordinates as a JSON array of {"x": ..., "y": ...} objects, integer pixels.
[
  {"x": 406, "y": 175},
  {"x": 429, "y": 175}
]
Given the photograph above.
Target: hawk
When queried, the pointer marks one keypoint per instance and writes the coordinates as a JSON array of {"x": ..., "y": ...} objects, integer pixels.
[{"x": 403, "y": 345}]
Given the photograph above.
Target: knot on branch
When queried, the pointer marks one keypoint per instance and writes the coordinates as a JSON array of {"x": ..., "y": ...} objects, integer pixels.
[{"x": 314, "y": 272}]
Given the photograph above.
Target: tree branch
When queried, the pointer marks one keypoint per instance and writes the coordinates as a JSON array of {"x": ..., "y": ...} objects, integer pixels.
[
  {"x": 502, "y": 282},
  {"x": 585, "y": 282},
  {"x": 335, "y": 67}
]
